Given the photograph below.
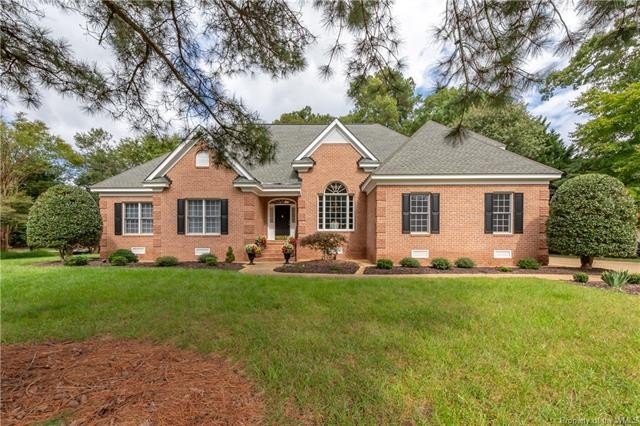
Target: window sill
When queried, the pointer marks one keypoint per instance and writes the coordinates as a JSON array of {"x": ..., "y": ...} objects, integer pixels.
[
  {"x": 336, "y": 230},
  {"x": 420, "y": 234},
  {"x": 201, "y": 235},
  {"x": 135, "y": 235},
  {"x": 503, "y": 234}
]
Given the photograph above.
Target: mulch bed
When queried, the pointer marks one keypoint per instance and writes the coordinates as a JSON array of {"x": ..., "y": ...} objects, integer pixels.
[
  {"x": 320, "y": 267},
  {"x": 372, "y": 270},
  {"x": 110, "y": 381},
  {"x": 633, "y": 289},
  {"x": 189, "y": 265}
]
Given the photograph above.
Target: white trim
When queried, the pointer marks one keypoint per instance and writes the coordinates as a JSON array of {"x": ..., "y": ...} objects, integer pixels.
[
  {"x": 124, "y": 218},
  {"x": 271, "y": 222},
  {"x": 350, "y": 201},
  {"x": 204, "y": 216},
  {"x": 123, "y": 191},
  {"x": 359, "y": 146},
  {"x": 511, "y": 214},
  {"x": 199, "y": 251},
  {"x": 138, "y": 250},
  {"x": 511, "y": 179},
  {"x": 170, "y": 157},
  {"x": 204, "y": 158},
  {"x": 258, "y": 189},
  {"x": 420, "y": 253},
  {"x": 502, "y": 254}
]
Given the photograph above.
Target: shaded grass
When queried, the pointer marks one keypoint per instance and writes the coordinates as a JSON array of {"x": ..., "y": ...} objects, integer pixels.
[
  {"x": 26, "y": 254},
  {"x": 366, "y": 351}
]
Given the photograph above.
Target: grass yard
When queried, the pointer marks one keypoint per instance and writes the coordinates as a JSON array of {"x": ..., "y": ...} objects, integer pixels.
[{"x": 365, "y": 351}]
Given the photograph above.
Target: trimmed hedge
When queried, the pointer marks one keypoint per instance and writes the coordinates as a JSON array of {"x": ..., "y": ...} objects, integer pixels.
[
  {"x": 441, "y": 263},
  {"x": 76, "y": 261},
  {"x": 126, "y": 253},
  {"x": 410, "y": 262},
  {"x": 581, "y": 277},
  {"x": 528, "y": 263},
  {"x": 212, "y": 260},
  {"x": 204, "y": 257},
  {"x": 384, "y": 264},
  {"x": 465, "y": 262},
  {"x": 166, "y": 261},
  {"x": 118, "y": 261}
]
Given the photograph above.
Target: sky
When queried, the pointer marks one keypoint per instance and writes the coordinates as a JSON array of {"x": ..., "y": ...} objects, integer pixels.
[{"x": 415, "y": 20}]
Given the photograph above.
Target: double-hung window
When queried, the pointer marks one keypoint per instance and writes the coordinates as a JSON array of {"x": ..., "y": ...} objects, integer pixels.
[
  {"x": 502, "y": 212},
  {"x": 335, "y": 208},
  {"x": 138, "y": 218},
  {"x": 203, "y": 217},
  {"x": 419, "y": 213}
]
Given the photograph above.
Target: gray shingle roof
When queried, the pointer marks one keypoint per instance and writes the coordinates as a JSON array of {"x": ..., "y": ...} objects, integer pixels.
[
  {"x": 428, "y": 152},
  {"x": 431, "y": 152},
  {"x": 132, "y": 178}
]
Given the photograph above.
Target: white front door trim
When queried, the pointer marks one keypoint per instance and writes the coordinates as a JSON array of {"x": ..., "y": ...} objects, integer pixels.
[{"x": 271, "y": 216}]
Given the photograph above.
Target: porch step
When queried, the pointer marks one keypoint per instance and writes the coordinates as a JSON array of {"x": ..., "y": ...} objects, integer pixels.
[{"x": 273, "y": 252}]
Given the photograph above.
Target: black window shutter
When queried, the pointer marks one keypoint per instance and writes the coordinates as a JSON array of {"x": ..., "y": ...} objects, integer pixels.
[
  {"x": 224, "y": 217},
  {"x": 117, "y": 218},
  {"x": 181, "y": 216},
  {"x": 518, "y": 204},
  {"x": 406, "y": 228},
  {"x": 488, "y": 213},
  {"x": 435, "y": 213}
]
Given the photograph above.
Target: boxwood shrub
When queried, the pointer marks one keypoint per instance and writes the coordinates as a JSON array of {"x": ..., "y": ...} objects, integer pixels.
[
  {"x": 212, "y": 260},
  {"x": 166, "y": 261},
  {"x": 441, "y": 263},
  {"x": 581, "y": 277},
  {"x": 118, "y": 260},
  {"x": 76, "y": 261},
  {"x": 203, "y": 257},
  {"x": 504, "y": 269},
  {"x": 410, "y": 262},
  {"x": 384, "y": 264},
  {"x": 465, "y": 262},
  {"x": 528, "y": 263},
  {"x": 126, "y": 253}
]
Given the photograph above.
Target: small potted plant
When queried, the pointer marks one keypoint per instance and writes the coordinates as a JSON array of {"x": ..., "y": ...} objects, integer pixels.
[
  {"x": 292, "y": 241},
  {"x": 252, "y": 250},
  {"x": 261, "y": 241},
  {"x": 287, "y": 251}
]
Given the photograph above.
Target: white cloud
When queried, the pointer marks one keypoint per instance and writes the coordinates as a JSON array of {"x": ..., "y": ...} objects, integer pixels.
[{"x": 270, "y": 98}]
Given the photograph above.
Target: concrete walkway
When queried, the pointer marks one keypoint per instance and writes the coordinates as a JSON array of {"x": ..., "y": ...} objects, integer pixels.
[{"x": 616, "y": 265}]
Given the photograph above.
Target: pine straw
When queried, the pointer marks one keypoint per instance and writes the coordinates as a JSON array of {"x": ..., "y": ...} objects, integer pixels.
[{"x": 109, "y": 381}]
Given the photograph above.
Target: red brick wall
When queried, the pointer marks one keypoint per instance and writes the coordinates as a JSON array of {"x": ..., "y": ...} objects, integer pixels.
[
  {"x": 461, "y": 224},
  {"x": 333, "y": 162}
]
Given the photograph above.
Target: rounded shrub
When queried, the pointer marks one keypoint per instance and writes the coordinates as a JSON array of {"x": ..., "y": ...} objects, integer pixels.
[
  {"x": 204, "y": 257},
  {"x": 441, "y": 263},
  {"x": 384, "y": 264},
  {"x": 212, "y": 260},
  {"x": 327, "y": 243},
  {"x": 504, "y": 269},
  {"x": 581, "y": 277},
  {"x": 528, "y": 263},
  {"x": 229, "y": 257},
  {"x": 118, "y": 261},
  {"x": 465, "y": 262},
  {"x": 126, "y": 253},
  {"x": 409, "y": 262},
  {"x": 592, "y": 215},
  {"x": 76, "y": 261},
  {"x": 634, "y": 279},
  {"x": 166, "y": 261},
  {"x": 64, "y": 217}
]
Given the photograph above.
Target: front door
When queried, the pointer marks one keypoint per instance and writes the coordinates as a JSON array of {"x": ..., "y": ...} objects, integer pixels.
[{"x": 283, "y": 221}]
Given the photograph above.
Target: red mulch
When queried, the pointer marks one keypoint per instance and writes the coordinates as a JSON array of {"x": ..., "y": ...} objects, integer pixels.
[
  {"x": 372, "y": 270},
  {"x": 320, "y": 267},
  {"x": 109, "y": 381}
]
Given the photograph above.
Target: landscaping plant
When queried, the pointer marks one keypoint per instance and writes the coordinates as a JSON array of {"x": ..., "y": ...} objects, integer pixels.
[
  {"x": 204, "y": 257},
  {"x": 211, "y": 260},
  {"x": 384, "y": 264},
  {"x": 166, "y": 261},
  {"x": 76, "y": 261},
  {"x": 287, "y": 251},
  {"x": 261, "y": 241},
  {"x": 64, "y": 217},
  {"x": 252, "y": 251},
  {"x": 327, "y": 243},
  {"x": 592, "y": 215},
  {"x": 129, "y": 256},
  {"x": 504, "y": 269},
  {"x": 465, "y": 262},
  {"x": 118, "y": 261},
  {"x": 581, "y": 277},
  {"x": 615, "y": 279},
  {"x": 634, "y": 279},
  {"x": 229, "y": 257},
  {"x": 441, "y": 263},
  {"x": 528, "y": 263},
  {"x": 409, "y": 262}
]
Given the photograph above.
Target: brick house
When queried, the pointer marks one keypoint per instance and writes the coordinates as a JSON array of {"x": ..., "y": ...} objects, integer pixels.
[{"x": 392, "y": 196}]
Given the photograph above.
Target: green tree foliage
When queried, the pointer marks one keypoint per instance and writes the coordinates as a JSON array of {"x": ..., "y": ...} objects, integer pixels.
[
  {"x": 386, "y": 97},
  {"x": 304, "y": 116},
  {"x": 14, "y": 210},
  {"x": 63, "y": 218},
  {"x": 592, "y": 215},
  {"x": 103, "y": 158},
  {"x": 608, "y": 66},
  {"x": 174, "y": 55},
  {"x": 31, "y": 161},
  {"x": 508, "y": 122}
]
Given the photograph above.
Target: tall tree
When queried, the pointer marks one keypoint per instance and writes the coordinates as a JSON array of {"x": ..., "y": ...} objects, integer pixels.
[
  {"x": 103, "y": 157},
  {"x": 304, "y": 116},
  {"x": 607, "y": 65},
  {"x": 173, "y": 55},
  {"x": 386, "y": 97},
  {"x": 31, "y": 160}
]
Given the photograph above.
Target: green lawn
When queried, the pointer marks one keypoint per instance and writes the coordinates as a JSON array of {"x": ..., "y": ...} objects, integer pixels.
[{"x": 366, "y": 351}]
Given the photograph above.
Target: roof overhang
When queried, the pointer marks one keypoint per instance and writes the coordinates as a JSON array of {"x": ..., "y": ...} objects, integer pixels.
[
  {"x": 114, "y": 192},
  {"x": 487, "y": 179},
  {"x": 268, "y": 190}
]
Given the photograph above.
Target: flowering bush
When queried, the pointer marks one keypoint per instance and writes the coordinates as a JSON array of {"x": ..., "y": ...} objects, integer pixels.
[
  {"x": 287, "y": 248},
  {"x": 291, "y": 240},
  {"x": 252, "y": 249},
  {"x": 261, "y": 241},
  {"x": 326, "y": 242}
]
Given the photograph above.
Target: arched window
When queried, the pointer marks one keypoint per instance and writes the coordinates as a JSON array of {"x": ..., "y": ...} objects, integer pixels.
[
  {"x": 335, "y": 208},
  {"x": 202, "y": 159}
]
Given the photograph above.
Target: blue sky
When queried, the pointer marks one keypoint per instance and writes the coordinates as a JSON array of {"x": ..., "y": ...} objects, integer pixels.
[{"x": 415, "y": 20}]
